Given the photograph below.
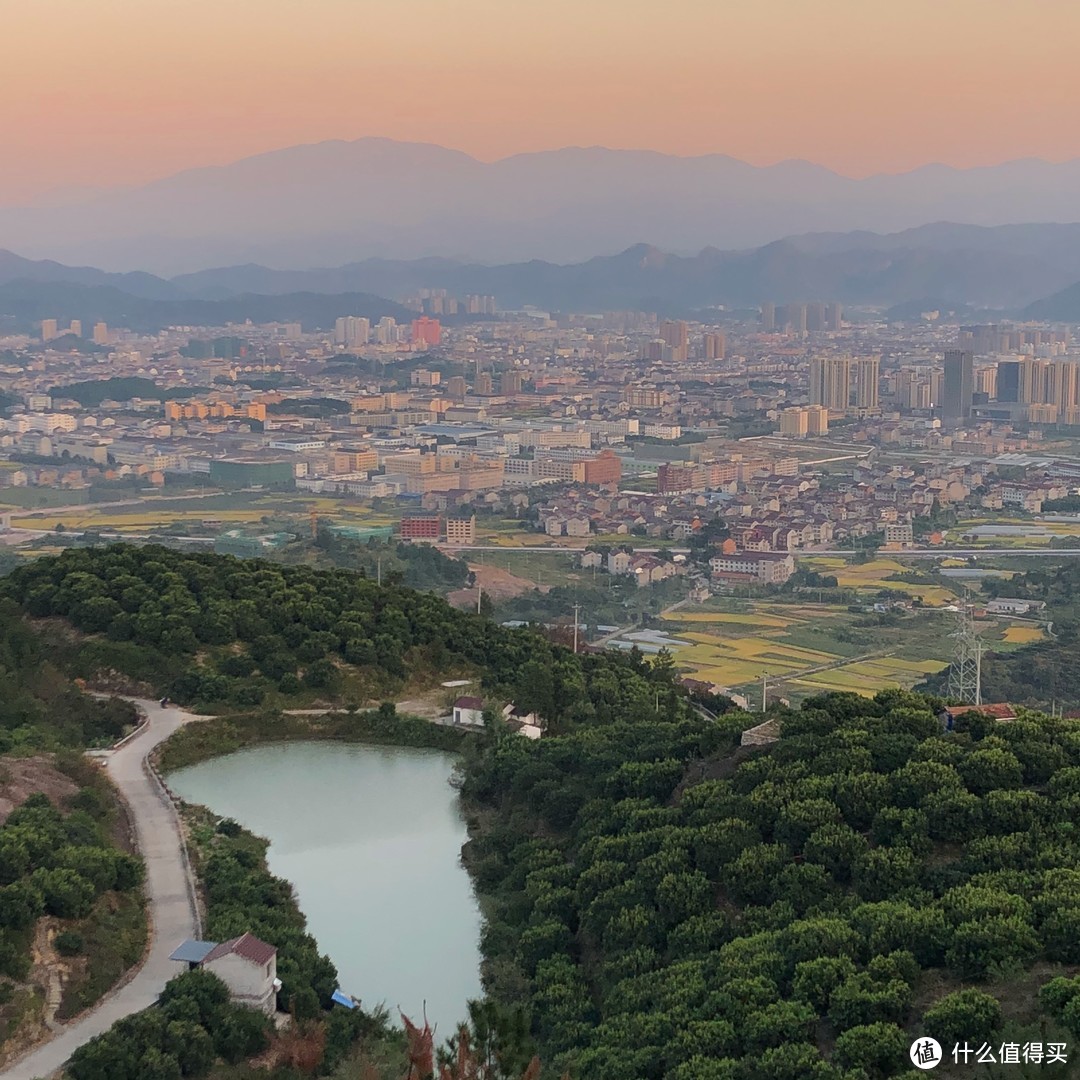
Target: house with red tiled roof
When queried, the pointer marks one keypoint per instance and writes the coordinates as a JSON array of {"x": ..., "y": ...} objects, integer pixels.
[{"x": 245, "y": 964}]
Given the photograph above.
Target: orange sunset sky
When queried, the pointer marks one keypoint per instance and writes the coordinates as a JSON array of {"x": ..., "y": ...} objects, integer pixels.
[{"x": 104, "y": 92}]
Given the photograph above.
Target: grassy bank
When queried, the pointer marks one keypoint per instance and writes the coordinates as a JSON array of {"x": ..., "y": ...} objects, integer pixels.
[{"x": 383, "y": 727}]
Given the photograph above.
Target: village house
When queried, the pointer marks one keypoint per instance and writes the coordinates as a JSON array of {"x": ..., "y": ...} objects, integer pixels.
[{"x": 245, "y": 964}]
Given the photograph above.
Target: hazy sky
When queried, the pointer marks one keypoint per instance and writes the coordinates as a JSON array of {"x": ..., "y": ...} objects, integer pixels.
[{"x": 102, "y": 92}]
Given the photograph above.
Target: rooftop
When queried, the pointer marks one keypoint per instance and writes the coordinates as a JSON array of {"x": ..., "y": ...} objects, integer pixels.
[{"x": 247, "y": 946}]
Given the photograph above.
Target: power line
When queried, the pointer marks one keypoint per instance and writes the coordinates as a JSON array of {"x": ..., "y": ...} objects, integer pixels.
[{"x": 965, "y": 672}]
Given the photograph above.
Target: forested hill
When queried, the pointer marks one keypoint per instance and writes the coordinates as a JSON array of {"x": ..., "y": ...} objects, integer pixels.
[
  {"x": 230, "y": 633},
  {"x": 802, "y": 913},
  {"x": 665, "y": 904}
]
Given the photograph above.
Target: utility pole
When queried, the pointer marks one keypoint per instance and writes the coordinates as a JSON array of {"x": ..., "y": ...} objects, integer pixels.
[
  {"x": 764, "y": 691},
  {"x": 378, "y": 570},
  {"x": 577, "y": 608},
  {"x": 479, "y": 594}
]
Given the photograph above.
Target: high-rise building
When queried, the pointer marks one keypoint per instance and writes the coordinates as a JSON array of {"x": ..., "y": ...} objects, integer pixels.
[
  {"x": 1008, "y": 380},
  {"x": 834, "y": 316},
  {"x": 386, "y": 330},
  {"x": 714, "y": 346},
  {"x": 426, "y": 331},
  {"x": 49, "y": 329},
  {"x": 795, "y": 422},
  {"x": 510, "y": 383},
  {"x": 768, "y": 317},
  {"x": 959, "y": 384},
  {"x": 75, "y": 329},
  {"x": 794, "y": 319},
  {"x": 352, "y": 330},
  {"x": 830, "y": 382},
  {"x": 483, "y": 384},
  {"x": 986, "y": 382},
  {"x": 867, "y": 375},
  {"x": 817, "y": 420},
  {"x": 815, "y": 317},
  {"x": 101, "y": 334},
  {"x": 676, "y": 335},
  {"x": 455, "y": 387}
]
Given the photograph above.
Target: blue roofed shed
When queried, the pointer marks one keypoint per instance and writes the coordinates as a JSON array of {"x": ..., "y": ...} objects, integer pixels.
[
  {"x": 339, "y": 997},
  {"x": 193, "y": 952}
]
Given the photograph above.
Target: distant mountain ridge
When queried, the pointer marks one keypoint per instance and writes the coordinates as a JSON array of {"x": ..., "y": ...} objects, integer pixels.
[
  {"x": 1005, "y": 268},
  {"x": 337, "y": 202},
  {"x": 26, "y": 303}
]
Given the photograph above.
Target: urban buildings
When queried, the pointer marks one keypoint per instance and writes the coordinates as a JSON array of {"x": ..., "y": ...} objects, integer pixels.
[{"x": 959, "y": 384}]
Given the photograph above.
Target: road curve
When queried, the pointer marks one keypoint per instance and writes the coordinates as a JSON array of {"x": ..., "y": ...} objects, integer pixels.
[{"x": 171, "y": 905}]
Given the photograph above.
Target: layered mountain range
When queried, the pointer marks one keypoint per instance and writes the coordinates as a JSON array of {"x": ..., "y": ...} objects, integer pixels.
[
  {"x": 1015, "y": 269},
  {"x": 331, "y": 203}
]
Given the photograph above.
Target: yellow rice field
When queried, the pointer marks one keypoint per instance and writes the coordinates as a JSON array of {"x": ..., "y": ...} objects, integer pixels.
[{"x": 1022, "y": 635}]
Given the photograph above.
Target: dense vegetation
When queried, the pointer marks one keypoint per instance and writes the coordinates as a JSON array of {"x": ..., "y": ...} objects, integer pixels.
[
  {"x": 62, "y": 862},
  {"x": 193, "y": 1026},
  {"x": 60, "y": 859},
  {"x": 222, "y": 631},
  {"x": 417, "y": 566},
  {"x": 662, "y": 904},
  {"x": 121, "y": 388},
  {"x": 669, "y": 913}
]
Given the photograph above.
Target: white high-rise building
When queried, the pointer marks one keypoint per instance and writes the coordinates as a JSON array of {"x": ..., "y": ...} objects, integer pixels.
[{"x": 352, "y": 330}]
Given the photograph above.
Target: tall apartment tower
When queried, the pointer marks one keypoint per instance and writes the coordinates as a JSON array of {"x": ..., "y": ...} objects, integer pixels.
[
  {"x": 714, "y": 346},
  {"x": 1008, "y": 380},
  {"x": 830, "y": 382},
  {"x": 49, "y": 329},
  {"x": 795, "y": 318},
  {"x": 768, "y": 317},
  {"x": 834, "y": 316},
  {"x": 817, "y": 420},
  {"x": 867, "y": 375},
  {"x": 676, "y": 335},
  {"x": 959, "y": 384}
]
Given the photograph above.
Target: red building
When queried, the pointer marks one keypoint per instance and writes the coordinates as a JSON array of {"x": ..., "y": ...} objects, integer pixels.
[
  {"x": 426, "y": 331},
  {"x": 421, "y": 527},
  {"x": 604, "y": 470}
]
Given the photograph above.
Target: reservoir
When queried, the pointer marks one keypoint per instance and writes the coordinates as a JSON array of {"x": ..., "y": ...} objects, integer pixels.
[{"x": 370, "y": 837}]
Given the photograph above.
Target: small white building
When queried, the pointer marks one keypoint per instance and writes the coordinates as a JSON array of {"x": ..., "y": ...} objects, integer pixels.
[
  {"x": 469, "y": 710},
  {"x": 245, "y": 964}
]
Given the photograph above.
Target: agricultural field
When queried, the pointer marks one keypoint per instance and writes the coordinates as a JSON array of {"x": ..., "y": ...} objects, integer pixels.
[
  {"x": 809, "y": 649},
  {"x": 231, "y": 510},
  {"x": 875, "y": 574}
]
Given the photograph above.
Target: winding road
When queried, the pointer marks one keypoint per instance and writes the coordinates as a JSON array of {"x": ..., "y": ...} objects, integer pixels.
[{"x": 171, "y": 906}]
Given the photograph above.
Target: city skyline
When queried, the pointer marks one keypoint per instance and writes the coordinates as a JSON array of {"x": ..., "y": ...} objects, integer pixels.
[{"x": 859, "y": 92}]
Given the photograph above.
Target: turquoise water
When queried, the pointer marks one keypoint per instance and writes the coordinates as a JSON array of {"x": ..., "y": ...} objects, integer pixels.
[{"x": 370, "y": 838}]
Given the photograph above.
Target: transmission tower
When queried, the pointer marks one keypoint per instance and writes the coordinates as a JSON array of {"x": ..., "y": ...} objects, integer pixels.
[{"x": 965, "y": 673}]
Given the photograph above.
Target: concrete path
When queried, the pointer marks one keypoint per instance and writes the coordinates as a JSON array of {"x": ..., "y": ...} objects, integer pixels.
[{"x": 171, "y": 906}]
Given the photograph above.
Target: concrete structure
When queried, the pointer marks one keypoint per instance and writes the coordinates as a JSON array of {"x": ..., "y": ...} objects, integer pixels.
[
  {"x": 959, "y": 384},
  {"x": 469, "y": 710},
  {"x": 421, "y": 527},
  {"x": 461, "y": 530},
  {"x": 766, "y": 567},
  {"x": 248, "y": 967}
]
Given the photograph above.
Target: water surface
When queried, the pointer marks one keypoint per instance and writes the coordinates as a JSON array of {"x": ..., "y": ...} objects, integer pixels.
[{"x": 370, "y": 837}]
